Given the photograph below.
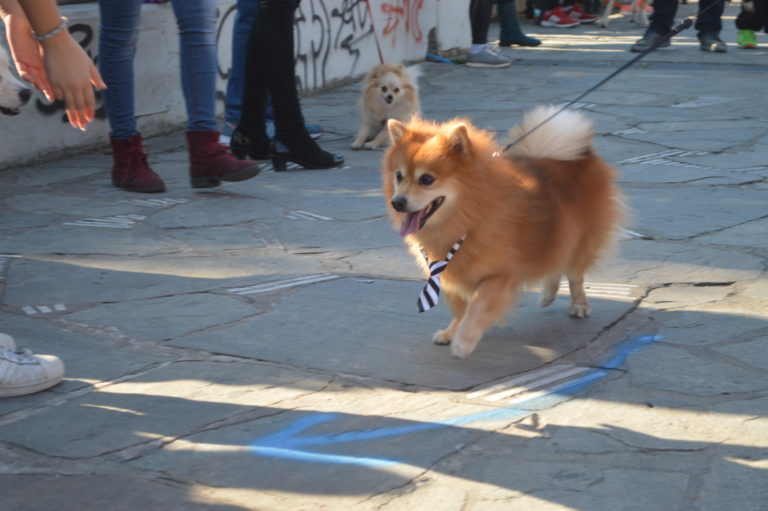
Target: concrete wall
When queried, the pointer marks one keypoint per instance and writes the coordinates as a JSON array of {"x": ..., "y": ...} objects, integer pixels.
[{"x": 334, "y": 41}]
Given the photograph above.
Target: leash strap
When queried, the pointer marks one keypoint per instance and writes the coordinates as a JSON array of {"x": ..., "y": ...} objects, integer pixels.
[
  {"x": 685, "y": 24},
  {"x": 373, "y": 29},
  {"x": 431, "y": 292}
]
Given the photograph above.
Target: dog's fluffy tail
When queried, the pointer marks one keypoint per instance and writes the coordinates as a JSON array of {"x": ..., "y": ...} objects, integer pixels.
[{"x": 566, "y": 136}]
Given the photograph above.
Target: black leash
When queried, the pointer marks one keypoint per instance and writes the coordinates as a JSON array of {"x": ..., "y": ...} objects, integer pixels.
[{"x": 686, "y": 23}]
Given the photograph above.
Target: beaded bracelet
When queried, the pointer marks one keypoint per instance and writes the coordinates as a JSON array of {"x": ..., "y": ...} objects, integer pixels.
[{"x": 61, "y": 26}]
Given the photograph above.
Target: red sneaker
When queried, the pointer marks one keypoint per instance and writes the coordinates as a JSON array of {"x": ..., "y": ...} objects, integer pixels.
[
  {"x": 130, "y": 170},
  {"x": 576, "y": 12},
  {"x": 557, "y": 18},
  {"x": 211, "y": 162}
]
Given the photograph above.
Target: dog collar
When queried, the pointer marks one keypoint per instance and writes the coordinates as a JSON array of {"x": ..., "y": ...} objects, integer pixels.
[{"x": 431, "y": 292}]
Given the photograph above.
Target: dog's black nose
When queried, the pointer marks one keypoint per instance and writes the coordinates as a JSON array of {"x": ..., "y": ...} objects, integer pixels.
[
  {"x": 389, "y": 98},
  {"x": 24, "y": 95},
  {"x": 399, "y": 203}
]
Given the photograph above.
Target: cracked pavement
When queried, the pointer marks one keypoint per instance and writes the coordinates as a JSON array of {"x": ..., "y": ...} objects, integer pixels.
[{"x": 257, "y": 346}]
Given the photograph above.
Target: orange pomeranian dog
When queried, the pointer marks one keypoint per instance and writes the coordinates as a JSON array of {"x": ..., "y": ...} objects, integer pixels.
[
  {"x": 389, "y": 92},
  {"x": 489, "y": 220}
]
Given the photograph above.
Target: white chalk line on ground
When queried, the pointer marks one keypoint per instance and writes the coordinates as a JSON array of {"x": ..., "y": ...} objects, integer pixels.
[
  {"x": 31, "y": 310},
  {"x": 283, "y": 284},
  {"x": 114, "y": 222}
]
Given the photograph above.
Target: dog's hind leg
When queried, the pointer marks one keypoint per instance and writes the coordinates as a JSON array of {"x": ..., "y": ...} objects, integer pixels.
[
  {"x": 491, "y": 301},
  {"x": 579, "y": 303},
  {"x": 458, "y": 306},
  {"x": 549, "y": 290}
]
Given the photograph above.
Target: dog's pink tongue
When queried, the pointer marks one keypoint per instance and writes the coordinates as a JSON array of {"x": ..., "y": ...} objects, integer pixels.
[{"x": 412, "y": 223}]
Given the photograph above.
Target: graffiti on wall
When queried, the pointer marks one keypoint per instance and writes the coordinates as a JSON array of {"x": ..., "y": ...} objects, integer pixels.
[
  {"x": 405, "y": 12},
  {"x": 335, "y": 38}
]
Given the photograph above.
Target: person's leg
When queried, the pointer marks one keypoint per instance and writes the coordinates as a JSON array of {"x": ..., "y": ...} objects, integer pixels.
[
  {"x": 272, "y": 59},
  {"x": 708, "y": 25},
  {"x": 117, "y": 48},
  {"x": 247, "y": 11},
  {"x": 480, "y": 55},
  {"x": 747, "y": 23},
  {"x": 511, "y": 32},
  {"x": 209, "y": 161},
  {"x": 663, "y": 17},
  {"x": 761, "y": 8},
  {"x": 480, "y": 20},
  {"x": 196, "y": 20},
  {"x": 250, "y": 138},
  {"x": 710, "y": 14},
  {"x": 659, "y": 26}
]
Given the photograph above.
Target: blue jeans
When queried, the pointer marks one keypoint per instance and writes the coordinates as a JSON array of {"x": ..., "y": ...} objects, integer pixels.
[
  {"x": 196, "y": 20},
  {"x": 664, "y": 11},
  {"x": 247, "y": 10}
]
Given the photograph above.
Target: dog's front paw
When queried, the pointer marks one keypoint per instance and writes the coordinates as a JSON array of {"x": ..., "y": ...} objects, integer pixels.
[
  {"x": 371, "y": 145},
  {"x": 356, "y": 145},
  {"x": 579, "y": 310},
  {"x": 461, "y": 348},
  {"x": 442, "y": 337}
]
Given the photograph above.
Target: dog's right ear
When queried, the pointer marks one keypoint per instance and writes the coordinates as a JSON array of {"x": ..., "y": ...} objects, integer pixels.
[
  {"x": 458, "y": 139},
  {"x": 397, "y": 130}
]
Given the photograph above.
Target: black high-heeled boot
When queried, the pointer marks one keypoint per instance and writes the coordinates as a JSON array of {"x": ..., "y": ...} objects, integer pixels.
[
  {"x": 255, "y": 146},
  {"x": 306, "y": 153},
  {"x": 271, "y": 46}
]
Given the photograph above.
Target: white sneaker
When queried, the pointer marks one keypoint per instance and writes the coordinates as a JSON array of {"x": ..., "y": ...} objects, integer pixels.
[
  {"x": 487, "y": 58},
  {"x": 23, "y": 373}
]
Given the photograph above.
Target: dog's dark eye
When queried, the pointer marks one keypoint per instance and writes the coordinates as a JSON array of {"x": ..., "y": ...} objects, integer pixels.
[
  {"x": 426, "y": 180},
  {"x": 397, "y": 89},
  {"x": 399, "y": 176},
  {"x": 384, "y": 88}
]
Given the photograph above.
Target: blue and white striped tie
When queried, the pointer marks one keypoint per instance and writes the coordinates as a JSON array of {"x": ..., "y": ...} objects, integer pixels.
[{"x": 431, "y": 292}]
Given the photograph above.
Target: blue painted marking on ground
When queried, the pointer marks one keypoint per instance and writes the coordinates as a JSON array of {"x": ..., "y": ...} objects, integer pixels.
[{"x": 287, "y": 444}]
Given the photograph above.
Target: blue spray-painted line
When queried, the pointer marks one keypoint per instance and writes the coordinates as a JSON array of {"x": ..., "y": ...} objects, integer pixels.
[{"x": 287, "y": 444}]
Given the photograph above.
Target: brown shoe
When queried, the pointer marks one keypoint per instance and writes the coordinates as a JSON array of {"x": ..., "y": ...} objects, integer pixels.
[
  {"x": 211, "y": 162},
  {"x": 130, "y": 170}
]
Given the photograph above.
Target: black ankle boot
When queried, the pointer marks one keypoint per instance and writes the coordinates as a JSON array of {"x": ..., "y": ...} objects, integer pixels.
[
  {"x": 256, "y": 146},
  {"x": 307, "y": 154},
  {"x": 511, "y": 33}
]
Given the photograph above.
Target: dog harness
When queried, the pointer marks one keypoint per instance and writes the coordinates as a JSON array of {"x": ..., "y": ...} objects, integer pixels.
[{"x": 431, "y": 292}]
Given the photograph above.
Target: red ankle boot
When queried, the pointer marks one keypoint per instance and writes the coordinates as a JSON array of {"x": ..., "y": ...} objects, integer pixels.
[
  {"x": 210, "y": 162},
  {"x": 130, "y": 170}
]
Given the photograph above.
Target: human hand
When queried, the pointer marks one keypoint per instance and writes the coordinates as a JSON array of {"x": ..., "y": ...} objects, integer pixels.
[
  {"x": 72, "y": 75},
  {"x": 26, "y": 54}
]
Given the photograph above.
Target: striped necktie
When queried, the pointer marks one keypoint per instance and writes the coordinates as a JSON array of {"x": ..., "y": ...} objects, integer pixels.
[{"x": 431, "y": 292}]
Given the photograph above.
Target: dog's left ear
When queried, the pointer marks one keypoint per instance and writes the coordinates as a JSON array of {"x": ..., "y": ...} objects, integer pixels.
[
  {"x": 397, "y": 130},
  {"x": 458, "y": 139}
]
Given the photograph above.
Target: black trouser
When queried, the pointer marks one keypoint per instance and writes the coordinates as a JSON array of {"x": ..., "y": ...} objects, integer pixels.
[
  {"x": 270, "y": 71},
  {"x": 480, "y": 20},
  {"x": 753, "y": 15}
]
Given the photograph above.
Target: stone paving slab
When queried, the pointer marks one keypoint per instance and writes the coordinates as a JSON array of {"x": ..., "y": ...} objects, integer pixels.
[
  {"x": 135, "y": 413},
  {"x": 368, "y": 344}
]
